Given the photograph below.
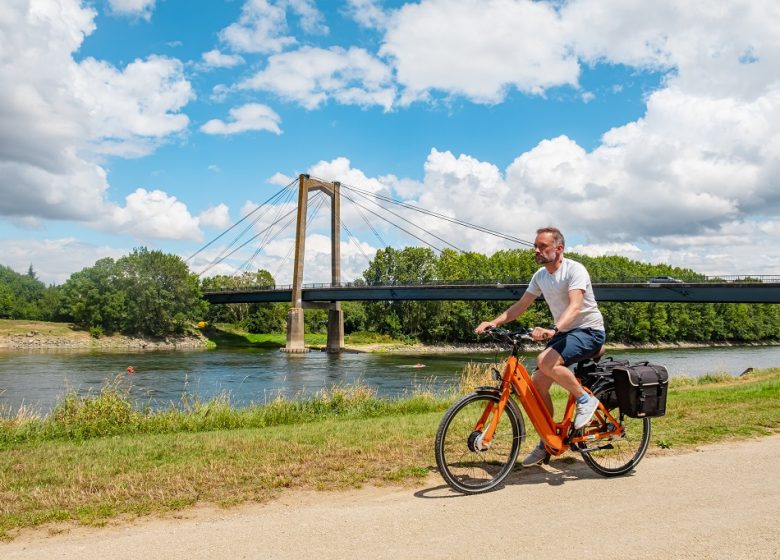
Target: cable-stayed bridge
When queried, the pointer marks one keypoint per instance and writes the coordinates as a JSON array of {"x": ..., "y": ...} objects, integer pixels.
[{"x": 281, "y": 212}]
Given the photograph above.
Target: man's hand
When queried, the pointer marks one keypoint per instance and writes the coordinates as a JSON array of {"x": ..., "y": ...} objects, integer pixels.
[
  {"x": 484, "y": 325},
  {"x": 540, "y": 333}
]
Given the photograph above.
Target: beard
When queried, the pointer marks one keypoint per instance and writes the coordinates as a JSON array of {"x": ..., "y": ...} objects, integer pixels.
[{"x": 541, "y": 258}]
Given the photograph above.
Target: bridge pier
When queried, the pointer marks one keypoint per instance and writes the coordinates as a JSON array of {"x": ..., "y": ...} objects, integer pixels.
[
  {"x": 295, "y": 324},
  {"x": 335, "y": 328},
  {"x": 295, "y": 330}
]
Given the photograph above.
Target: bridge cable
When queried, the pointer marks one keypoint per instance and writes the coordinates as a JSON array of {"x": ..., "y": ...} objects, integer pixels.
[
  {"x": 247, "y": 242},
  {"x": 267, "y": 238},
  {"x": 352, "y": 238},
  {"x": 223, "y": 254},
  {"x": 238, "y": 222},
  {"x": 287, "y": 199},
  {"x": 310, "y": 216},
  {"x": 421, "y": 240},
  {"x": 402, "y": 229},
  {"x": 456, "y": 221},
  {"x": 371, "y": 227}
]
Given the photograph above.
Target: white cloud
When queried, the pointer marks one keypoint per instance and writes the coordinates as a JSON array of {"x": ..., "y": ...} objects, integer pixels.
[
  {"x": 134, "y": 8},
  {"x": 713, "y": 49},
  {"x": 485, "y": 47},
  {"x": 57, "y": 115},
  {"x": 216, "y": 59},
  {"x": 310, "y": 76},
  {"x": 252, "y": 116},
  {"x": 367, "y": 13},
  {"x": 216, "y": 216},
  {"x": 279, "y": 179},
  {"x": 54, "y": 260},
  {"x": 132, "y": 109},
  {"x": 629, "y": 250},
  {"x": 311, "y": 19},
  {"x": 151, "y": 215},
  {"x": 260, "y": 29}
]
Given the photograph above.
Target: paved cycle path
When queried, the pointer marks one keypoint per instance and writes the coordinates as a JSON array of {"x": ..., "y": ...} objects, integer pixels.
[{"x": 721, "y": 501}]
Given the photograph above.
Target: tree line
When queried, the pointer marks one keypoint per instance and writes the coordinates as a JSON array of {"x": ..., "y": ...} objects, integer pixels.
[{"x": 154, "y": 294}]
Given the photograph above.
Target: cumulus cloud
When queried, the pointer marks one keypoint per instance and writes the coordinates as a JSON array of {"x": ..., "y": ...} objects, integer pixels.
[
  {"x": 279, "y": 179},
  {"x": 486, "y": 47},
  {"x": 58, "y": 115},
  {"x": 152, "y": 214},
  {"x": 132, "y": 109},
  {"x": 134, "y": 8},
  {"x": 260, "y": 29},
  {"x": 252, "y": 116},
  {"x": 310, "y": 76},
  {"x": 311, "y": 19},
  {"x": 216, "y": 59},
  {"x": 216, "y": 216},
  {"x": 367, "y": 13}
]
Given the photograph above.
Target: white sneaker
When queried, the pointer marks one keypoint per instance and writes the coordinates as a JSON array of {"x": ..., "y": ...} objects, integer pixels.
[
  {"x": 585, "y": 412},
  {"x": 535, "y": 457}
]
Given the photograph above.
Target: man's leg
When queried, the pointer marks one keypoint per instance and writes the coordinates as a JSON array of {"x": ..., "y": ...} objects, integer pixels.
[{"x": 551, "y": 366}]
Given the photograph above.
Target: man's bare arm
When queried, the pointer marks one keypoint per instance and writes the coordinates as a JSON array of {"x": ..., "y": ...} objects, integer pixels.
[{"x": 514, "y": 311}]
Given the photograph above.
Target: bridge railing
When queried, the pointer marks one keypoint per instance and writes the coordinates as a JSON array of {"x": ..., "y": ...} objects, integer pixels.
[{"x": 657, "y": 280}]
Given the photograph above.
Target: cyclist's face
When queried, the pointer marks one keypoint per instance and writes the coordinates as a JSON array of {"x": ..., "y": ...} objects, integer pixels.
[{"x": 545, "y": 249}]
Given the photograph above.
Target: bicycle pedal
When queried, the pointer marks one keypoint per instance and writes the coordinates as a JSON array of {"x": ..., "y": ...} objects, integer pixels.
[{"x": 546, "y": 459}]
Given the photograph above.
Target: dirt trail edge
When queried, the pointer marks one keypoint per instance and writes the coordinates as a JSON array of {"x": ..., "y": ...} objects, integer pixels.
[{"x": 721, "y": 501}]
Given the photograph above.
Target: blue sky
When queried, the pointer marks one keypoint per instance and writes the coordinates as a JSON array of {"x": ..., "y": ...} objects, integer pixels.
[{"x": 645, "y": 130}]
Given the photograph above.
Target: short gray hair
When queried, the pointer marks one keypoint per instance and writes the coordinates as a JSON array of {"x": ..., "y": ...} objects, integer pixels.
[{"x": 556, "y": 233}]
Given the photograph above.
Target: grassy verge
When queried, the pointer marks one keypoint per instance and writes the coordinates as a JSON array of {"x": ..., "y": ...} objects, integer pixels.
[{"x": 97, "y": 458}]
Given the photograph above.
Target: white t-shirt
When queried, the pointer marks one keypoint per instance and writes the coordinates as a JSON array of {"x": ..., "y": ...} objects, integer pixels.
[{"x": 571, "y": 275}]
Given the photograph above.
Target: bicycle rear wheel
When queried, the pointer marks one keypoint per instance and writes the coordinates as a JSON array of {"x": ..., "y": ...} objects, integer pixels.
[
  {"x": 462, "y": 462},
  {"x": 614, "y": 457}
]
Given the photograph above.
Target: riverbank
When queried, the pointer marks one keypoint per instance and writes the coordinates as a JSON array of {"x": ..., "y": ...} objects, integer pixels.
[{"x": 27, "y": 335}]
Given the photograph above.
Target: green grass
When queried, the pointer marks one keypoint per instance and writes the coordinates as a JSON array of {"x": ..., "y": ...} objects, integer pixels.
[{"x": 96, "y": 458}]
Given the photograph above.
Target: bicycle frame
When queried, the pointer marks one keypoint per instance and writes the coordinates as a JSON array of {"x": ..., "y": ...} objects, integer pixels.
[{"x": 555, "y": 435}]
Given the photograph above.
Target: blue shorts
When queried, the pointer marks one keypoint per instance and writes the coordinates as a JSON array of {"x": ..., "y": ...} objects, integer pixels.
[{"x": 577, "y": 344}]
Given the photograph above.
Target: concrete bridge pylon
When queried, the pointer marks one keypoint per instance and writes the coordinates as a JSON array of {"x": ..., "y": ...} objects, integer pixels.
[{"x": 295, "y": 324}]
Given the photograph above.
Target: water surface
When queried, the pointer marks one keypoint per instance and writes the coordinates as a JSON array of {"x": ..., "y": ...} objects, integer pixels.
[{"x": 39, "y": 378}]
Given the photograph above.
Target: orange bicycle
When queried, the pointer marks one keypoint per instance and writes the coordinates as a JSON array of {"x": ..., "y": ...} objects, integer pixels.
[{"x": 479, "y": 437}]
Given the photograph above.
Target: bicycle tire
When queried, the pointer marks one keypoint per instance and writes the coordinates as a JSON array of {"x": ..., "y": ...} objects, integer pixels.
[
  {"x": 620, "y": 456},
  {"x": 464, "y": 468}
]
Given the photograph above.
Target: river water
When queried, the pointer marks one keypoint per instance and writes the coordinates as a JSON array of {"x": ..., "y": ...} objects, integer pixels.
[{"x": 38, "y": 379}]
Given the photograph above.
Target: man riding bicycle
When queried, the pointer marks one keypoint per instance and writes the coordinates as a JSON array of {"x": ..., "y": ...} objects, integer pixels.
[{"x": 577, "y": 332}]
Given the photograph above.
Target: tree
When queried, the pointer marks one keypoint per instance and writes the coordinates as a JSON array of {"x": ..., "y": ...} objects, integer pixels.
[
  {"x": 254, "y": 317},
  {"x": 145, "y": 292},
  {"x": 23, "y": 296},
  {"x": 162, "y": 296},
  {"x": 95, "y": 297}
]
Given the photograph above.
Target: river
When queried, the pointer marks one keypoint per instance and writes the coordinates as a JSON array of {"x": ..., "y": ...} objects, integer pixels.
[{"x": 38, "y": 379}]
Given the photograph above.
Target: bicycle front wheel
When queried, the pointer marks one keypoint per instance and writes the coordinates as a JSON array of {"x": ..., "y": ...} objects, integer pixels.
[
  {"x": 465, "y": 463},
  {"x": 619, "y": 455}
]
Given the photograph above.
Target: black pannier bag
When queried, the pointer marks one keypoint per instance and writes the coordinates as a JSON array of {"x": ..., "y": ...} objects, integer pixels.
[{"x": 641, "y": 389}]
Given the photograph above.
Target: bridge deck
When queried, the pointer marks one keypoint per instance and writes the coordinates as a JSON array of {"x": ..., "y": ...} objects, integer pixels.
[{"x": 710, "y": 292}]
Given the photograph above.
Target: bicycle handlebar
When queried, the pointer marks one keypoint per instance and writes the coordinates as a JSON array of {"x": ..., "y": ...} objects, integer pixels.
[{"x": 513, "y": 337}]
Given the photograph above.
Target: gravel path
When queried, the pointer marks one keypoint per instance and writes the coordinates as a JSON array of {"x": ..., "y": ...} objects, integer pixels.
[{"x": 722, "y": 501}]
